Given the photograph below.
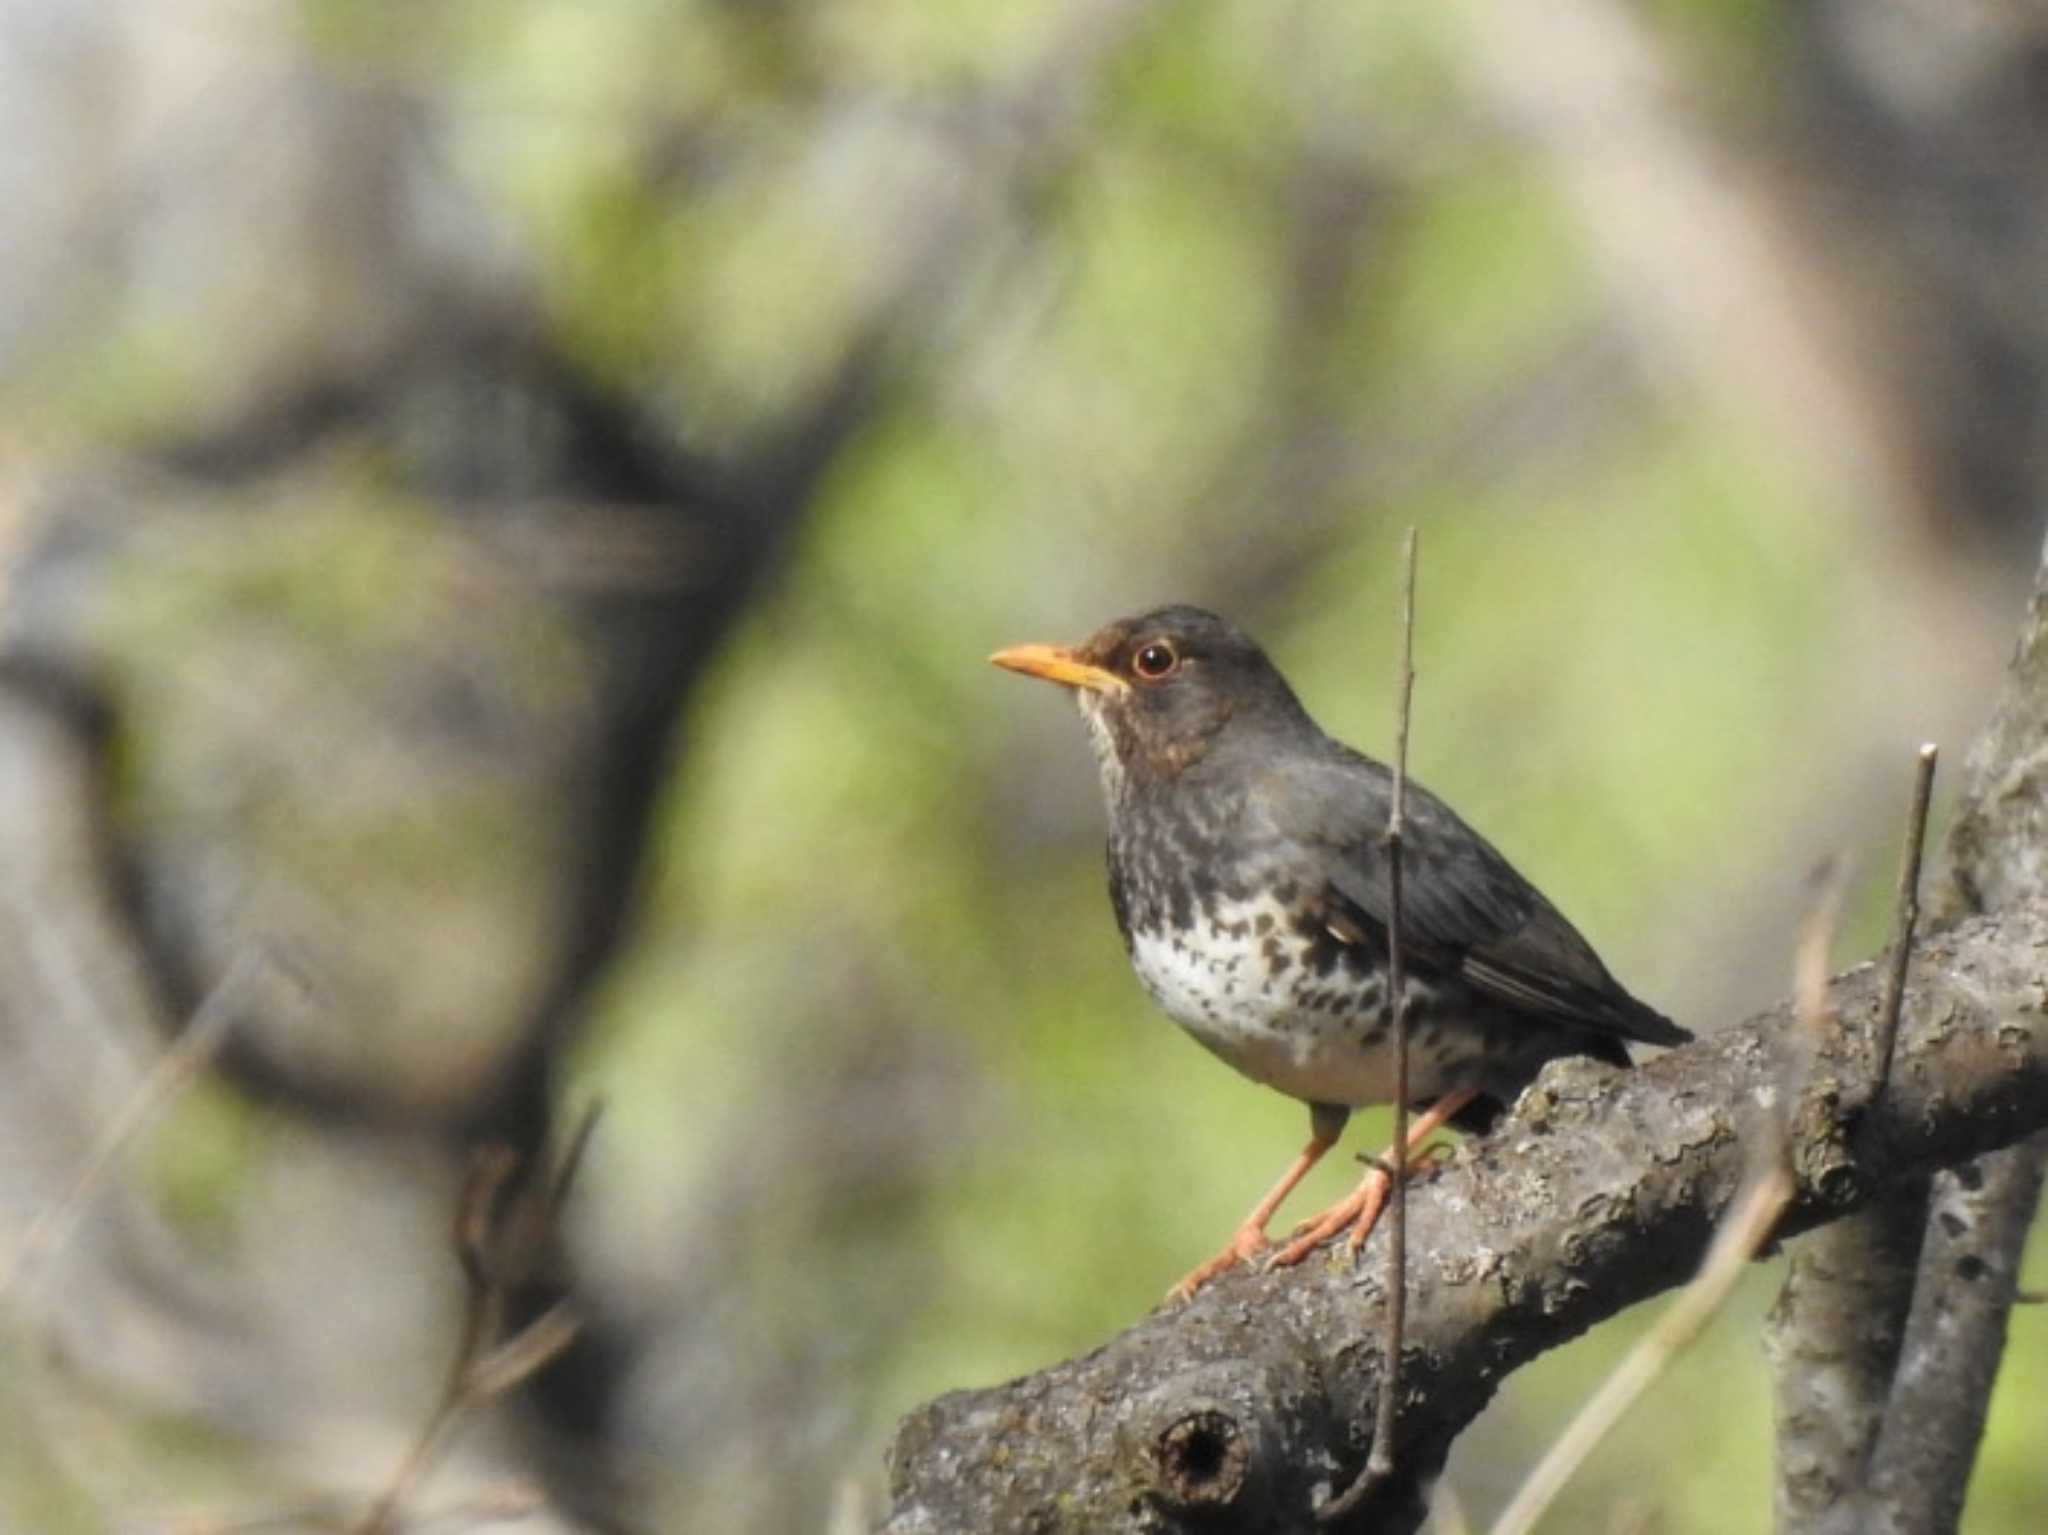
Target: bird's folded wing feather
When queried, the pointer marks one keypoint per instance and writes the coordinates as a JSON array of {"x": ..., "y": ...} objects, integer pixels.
[{"x": 1464, "y": 907}]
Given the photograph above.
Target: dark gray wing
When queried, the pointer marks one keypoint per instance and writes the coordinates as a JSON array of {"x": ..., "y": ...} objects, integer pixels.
[{"x": 1465, "y": 910}]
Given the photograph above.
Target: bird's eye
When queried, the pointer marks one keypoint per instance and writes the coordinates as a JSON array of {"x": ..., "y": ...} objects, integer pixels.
[{"x": 1155, "y": 660}]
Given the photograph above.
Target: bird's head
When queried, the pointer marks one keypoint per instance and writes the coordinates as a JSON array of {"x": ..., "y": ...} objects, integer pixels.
[{"x": 1163, "y": 691}]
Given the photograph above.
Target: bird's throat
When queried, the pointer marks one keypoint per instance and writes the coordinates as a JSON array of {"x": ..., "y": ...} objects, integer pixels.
[
  {"x": 1108, "y": 750},
  {"x": 1128, "y": 760}
]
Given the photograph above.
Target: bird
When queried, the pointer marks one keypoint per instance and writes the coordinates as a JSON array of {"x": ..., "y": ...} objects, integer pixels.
[{"x": 1248, "y": 873}]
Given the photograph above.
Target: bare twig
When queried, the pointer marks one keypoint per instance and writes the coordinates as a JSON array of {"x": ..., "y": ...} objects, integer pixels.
[
  {"x": 1379, "y": 1465},
  {"x": 1742, "y": 1234},
  {"x": 1834, "y": 1333},
  {"x": 1747, "y": 1227},
  {"x": 523, "y": 1354},
  {"x": 500, "y": 1235},
  {"x": 1810, "y": 968},
  {"x": 1907, "y": 914},
  {"x": 1810, "y": 959},
  {"x": 186, "y": 1057}
]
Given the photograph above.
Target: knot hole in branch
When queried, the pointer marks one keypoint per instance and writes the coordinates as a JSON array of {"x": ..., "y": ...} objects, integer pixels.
[{"x": 1204, "y": 1460}]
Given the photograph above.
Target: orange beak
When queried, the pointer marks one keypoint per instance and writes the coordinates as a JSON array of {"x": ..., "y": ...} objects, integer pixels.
[{"x": 1056, "y": 663}]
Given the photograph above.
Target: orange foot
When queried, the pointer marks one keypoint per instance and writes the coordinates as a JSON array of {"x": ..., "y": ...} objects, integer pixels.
[
  {"x": 1245, "y": 1245},
  {"x": 1361, "y": 1212},
  {"x": 1249, "y": 1240}
]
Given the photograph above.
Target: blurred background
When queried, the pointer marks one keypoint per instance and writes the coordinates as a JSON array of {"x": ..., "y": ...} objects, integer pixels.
[{"x": 502, "y": 509}]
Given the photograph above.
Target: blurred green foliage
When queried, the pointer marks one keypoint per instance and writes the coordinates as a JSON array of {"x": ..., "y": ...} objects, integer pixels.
[{"x": 880, "y": 1085}]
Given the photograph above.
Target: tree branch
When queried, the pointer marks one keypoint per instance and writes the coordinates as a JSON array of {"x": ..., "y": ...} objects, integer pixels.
[
  {"x": 1242, "y": 1410},
  {"x": 1832, "y": 1339},
  {"x": 1978, "y": 1217}
]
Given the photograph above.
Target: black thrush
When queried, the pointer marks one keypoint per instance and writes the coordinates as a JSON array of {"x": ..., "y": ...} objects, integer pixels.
[{"x": 1248, "y": 871}]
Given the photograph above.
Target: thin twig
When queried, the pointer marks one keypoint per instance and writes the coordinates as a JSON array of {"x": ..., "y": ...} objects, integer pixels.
[
  {"x": 1811, "y": 959},
  {"x": 519, "y": 1357},
  {"x": 1810, "y": 973},
  {"x": 1379, "y": 1465},
  {"x": 1813, "y": 1018},
  {"x": 571, "y": 1162},
  {"x": 1749, "y": 1223},
  {"x": 1381, "y": 1462},
  {"x": 1814, "y": 1024},
  {"x": 185, "y": 1058},
  {"x": 1742, "y": 1234},
  {"x": 1906, "y": 915},
  {"x": 1834, "y": 1334},
  {"x": 500, "y": 1234},
  {"x": 476, "y": 1214}
]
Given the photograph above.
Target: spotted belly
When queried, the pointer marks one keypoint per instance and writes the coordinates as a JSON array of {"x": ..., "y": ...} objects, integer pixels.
[{"x": 1279, "y": 1004}]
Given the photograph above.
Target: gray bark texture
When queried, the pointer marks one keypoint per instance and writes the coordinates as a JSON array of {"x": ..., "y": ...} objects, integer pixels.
[
  {"x": 1978, "y": 1218},
  {"x": 1833, "y": 1343},
  {"x": 1251, "y": 1407}
]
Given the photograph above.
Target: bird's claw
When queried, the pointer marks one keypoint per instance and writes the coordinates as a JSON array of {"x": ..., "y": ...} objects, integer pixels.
[
  {"x": 1313, "y": 1234},
  {"x": 1247, "y": 1244},
  {"x": 1361, "y": 1212}
]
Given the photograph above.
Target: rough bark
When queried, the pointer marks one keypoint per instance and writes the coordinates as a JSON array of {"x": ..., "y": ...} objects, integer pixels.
[
  {"x": 1245, "y": 1409},
  {"x": 1978, "y": 1219},
  {"x": 1833, "y": 1342}
]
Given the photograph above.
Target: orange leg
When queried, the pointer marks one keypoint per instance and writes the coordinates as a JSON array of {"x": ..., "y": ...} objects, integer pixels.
[
  {"x": 1362, "y": 1209},
  {"x": 1326, "y": 1123}
]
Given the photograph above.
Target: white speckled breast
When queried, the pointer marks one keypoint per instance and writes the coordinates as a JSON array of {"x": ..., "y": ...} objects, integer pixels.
[{"x": 1321, "y": 1040}]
